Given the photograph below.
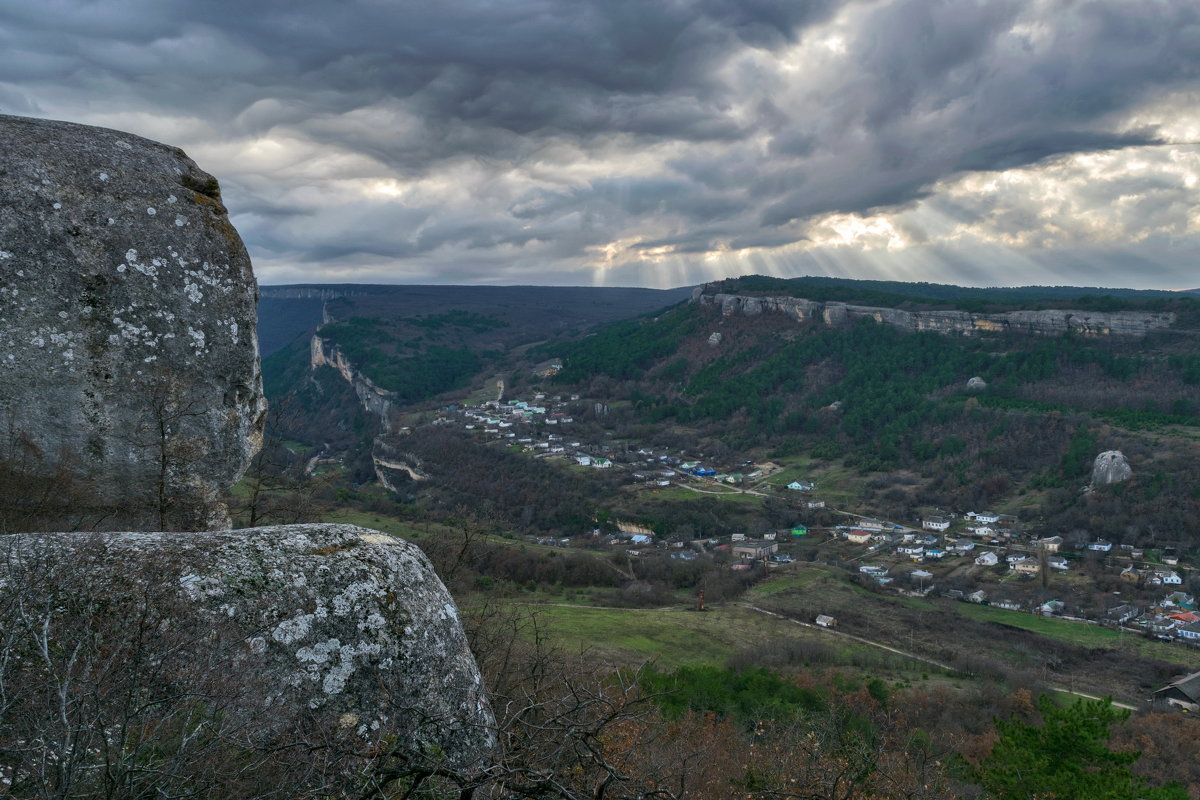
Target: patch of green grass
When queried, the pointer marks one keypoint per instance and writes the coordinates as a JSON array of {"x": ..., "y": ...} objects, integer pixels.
[
  {"x": 1064, "y": 630},
  {"x": 378, "y": 522},
  {"x": 669, "y": 637},
  {"x": 1083, "y": 634},
  {"x": 803, "y": 576}
]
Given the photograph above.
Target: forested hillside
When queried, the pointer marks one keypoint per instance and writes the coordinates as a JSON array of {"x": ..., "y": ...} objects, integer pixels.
[{"x": 884, "y": 401}]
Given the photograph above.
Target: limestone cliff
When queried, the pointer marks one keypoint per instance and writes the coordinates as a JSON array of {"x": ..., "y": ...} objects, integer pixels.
[
  {"x": 1110, "y": 467},
  {"x": 131, "y": 388},
  {"x": 1049, "y": 322},
  {"x": 374, "y": 399}
]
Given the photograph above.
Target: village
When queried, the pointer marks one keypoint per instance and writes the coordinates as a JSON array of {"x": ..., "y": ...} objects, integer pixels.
[{"x": 977, "y": 557}]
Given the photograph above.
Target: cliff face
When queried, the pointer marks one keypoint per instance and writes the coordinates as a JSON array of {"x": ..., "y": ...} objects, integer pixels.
[
  {"x": 374, "y": 399},
  {"x": 127, "y": 331},
  {"x": 1049, "y": 322}
]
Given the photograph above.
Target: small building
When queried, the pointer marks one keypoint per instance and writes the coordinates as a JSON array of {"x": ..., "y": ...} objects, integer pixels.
[
  {"x": 1190, "y": 632},
  {"x": 1121, "y": 614},
  {"x": 815, "y": 504},
  {"x": 986, "y": 518},
  {"x": 858, "y": 536},
  {"x": 1027, "y": 567},
  {"x": 1100, "y": 545},
  {"x": 871, "y": 524},
  {"x": 977, "y": 597},
  {"x": 935, "y": 523},
  {"x": 800, "y": 486},
  {"x": 988, "y": 559},
  {"x": 826, "y": 621},
  {"x": 754, "y": 550},
  {"x": 1051, "y": 544},
  {"x": 1165, "y": 577},
  {"x": 1181, "y": 693},
  {"x": 799, "y": 530}
]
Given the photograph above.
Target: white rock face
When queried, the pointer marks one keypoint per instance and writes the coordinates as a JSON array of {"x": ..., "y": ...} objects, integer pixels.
[
  {"x": 976, "y": 384},
  {"x": 1109, "y": 467}
]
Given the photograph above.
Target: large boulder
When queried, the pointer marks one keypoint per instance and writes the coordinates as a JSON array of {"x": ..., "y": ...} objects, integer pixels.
[
  {"x": 131, "y": 396},
  {"x": 1110, "y": 467},
  {"x": 323, "y": 653}
]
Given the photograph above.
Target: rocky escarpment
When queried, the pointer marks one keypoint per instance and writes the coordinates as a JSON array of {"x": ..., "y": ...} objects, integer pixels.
[
  {"x": 131, "y": 390},
  {"x": 1110, "y": 467},
  {"x": 374, "y": 400},
  {"x": 393, "y": 465},
  {"x": 1049, "y": 322},
  {"x": 317, "y": 638}
]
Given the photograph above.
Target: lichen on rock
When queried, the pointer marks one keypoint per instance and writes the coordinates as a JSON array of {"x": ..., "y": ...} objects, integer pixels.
[
  {"x": 127, "y": 336},
  {"x": 311, "y": 625}
]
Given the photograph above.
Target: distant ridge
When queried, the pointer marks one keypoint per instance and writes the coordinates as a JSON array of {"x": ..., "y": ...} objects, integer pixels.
[{"x": 287, "y": 311}]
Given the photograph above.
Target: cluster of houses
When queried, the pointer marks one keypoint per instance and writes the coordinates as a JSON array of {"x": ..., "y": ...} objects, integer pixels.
[
  {"x": 995, "y": 540},
  {"x": 537, "y": 426}
]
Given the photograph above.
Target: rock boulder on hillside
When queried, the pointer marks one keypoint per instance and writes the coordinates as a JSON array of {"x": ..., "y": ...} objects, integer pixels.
[
  {"x": 334, "y": 647},
  {"x": 1109, "y": 467},
  {"x": 131, "y": 392}
]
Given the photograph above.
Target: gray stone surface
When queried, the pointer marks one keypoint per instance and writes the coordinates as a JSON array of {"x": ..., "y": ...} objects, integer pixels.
[
  {"x": 127, "y": 327},
  {"x": 976, "y": 384},
  {"x": 341, "y": 628},
  {"x": 1111, "y": 466}
]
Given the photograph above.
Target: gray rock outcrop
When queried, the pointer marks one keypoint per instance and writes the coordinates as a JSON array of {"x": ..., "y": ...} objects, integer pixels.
[
  {"x": 287, "y": 632},
  {"x": 374, "y": 400},
  {"x": 127, "y": 332},
  {"x": 976, "y": 384},
  {"x": 1049, "y": 322},
  {"x": 1111, "y": 466}
]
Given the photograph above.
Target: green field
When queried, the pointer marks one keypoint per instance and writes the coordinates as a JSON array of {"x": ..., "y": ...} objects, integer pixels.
[
  {"x": 379, "y": 522},
  {"x": 1081, "y": 633},
  {"x": 669, "y": 637}
]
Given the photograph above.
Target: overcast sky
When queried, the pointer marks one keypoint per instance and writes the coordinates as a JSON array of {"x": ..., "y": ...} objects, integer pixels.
[{"x": 656, "y": 142}]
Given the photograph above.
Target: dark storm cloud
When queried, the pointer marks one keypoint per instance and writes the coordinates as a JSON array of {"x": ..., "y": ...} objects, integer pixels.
[{"x": 537, "y": 131}]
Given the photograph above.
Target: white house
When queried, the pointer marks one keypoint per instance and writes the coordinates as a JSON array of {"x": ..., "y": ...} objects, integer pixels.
[
  {"x": 987, "y": 517},
  {"x": 1167, "y": 577},
  {"x": 935, "y": 523},
  {"x": 1100, "y": 545},
  {"x": 988, "y": 559}
]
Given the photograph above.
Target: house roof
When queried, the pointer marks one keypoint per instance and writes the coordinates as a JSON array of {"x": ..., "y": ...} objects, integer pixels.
[{"x": 1189, "y": 685}]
